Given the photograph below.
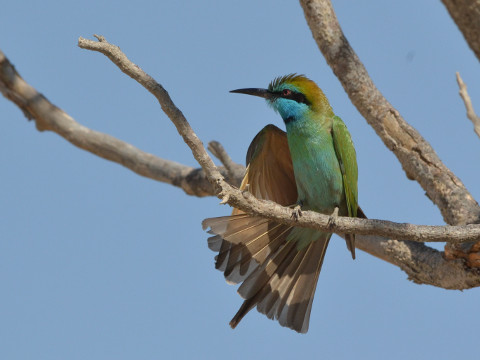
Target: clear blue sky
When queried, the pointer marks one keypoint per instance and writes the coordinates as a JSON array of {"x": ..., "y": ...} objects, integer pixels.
[{"x": 99, "y": 263}]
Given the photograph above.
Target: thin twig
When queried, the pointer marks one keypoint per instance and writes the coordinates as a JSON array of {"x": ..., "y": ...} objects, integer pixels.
[
  {"x": 49, "y": 117},
  {"x": 176, "y": 116},
  {"x": 219, "y": 152},
  {"x": 468, "y": 104}
]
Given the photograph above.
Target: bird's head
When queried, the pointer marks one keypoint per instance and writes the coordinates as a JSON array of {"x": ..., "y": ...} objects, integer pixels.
[{"x": 293, "y": 96}]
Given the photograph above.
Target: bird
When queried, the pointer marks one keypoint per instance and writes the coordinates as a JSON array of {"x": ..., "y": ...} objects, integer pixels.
[{"x": 313, "y": 167}]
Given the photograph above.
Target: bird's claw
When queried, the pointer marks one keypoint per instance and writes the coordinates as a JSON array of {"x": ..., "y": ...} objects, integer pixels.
[
  {"x": 225, "y": 199},
  {"x": 332, "y": 219},
  {"x": 297, "y": 212}
]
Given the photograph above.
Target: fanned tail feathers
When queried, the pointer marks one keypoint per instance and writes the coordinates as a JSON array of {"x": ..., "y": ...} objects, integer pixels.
[{"x": 276, "y": 277}]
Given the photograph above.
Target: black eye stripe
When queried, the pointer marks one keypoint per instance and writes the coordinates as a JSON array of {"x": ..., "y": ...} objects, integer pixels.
[
  {"x": 296, "y": 96},
  {"x": 299, "y": 97}
]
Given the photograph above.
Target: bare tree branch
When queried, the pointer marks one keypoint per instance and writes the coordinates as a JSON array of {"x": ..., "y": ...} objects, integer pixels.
[
  {"x": 422, "y": 264},
  {"x": 49, "y": 117},
  {"x": 219, "y": 152},
  {"x": 183, "y": 127},
  {"x": 466, "y": 14},
  {"x": 468, "y": 105},
  {"x": 418, "y": 159}
]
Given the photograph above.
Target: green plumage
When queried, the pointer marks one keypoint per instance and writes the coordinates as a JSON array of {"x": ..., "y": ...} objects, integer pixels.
[
  {"x": 312, "y": 165},
  {"x": 346, "y": 157}
]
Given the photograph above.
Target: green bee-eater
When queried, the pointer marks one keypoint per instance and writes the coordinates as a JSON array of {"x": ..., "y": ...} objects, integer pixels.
[{"x": 313, "y": 165}]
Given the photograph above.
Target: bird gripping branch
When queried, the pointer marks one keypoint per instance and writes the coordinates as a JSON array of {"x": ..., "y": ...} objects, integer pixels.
[{"x": 313, "y": 165}]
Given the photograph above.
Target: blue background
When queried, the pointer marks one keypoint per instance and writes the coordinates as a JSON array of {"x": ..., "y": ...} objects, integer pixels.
[{"x": 97, "y": 262}]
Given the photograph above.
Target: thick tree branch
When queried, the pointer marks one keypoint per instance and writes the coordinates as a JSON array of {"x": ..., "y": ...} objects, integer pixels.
[
  {"x": 418, "y": 159},
  {"x": 468, "y": 105},
  {"x": 466, "y": 14},
  {"x": 422, "y": 264}
]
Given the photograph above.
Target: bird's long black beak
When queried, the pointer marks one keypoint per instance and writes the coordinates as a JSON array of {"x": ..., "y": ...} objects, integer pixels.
[{"x": 264, "y": 93}]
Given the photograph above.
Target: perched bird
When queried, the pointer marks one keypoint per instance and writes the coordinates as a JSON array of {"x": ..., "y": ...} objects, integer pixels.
[{"x": 313, "y": 166}]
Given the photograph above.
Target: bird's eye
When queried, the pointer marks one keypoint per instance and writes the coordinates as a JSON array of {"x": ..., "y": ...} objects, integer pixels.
[{"x": 286, "y": 92}]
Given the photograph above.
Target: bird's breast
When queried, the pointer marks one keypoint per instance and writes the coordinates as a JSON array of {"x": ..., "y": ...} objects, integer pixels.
[{"x": 317, "y": 171}]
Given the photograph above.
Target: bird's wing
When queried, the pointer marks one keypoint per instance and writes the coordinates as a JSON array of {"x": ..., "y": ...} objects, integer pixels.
[
  {"x": 269, "y": 167},
  {"x": 243, "y": 241},
  {"x": 347, "y": 160},
  {"x": 276, "y": 277}
]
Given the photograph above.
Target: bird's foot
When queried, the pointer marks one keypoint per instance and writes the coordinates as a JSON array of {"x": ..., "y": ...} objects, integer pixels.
[
  {"x": 225, "y": 199},
  {"x": 297, "y": 212},
  {"x": 246, "y": 189},
  {"x": 333, "y": 218}
]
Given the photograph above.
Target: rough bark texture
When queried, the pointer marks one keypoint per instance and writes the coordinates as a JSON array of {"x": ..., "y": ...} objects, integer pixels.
[
  {"x": 466, "y": 14},
  {"x": 418, "y": 159},
  {"x": 422, "y": 264}
]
